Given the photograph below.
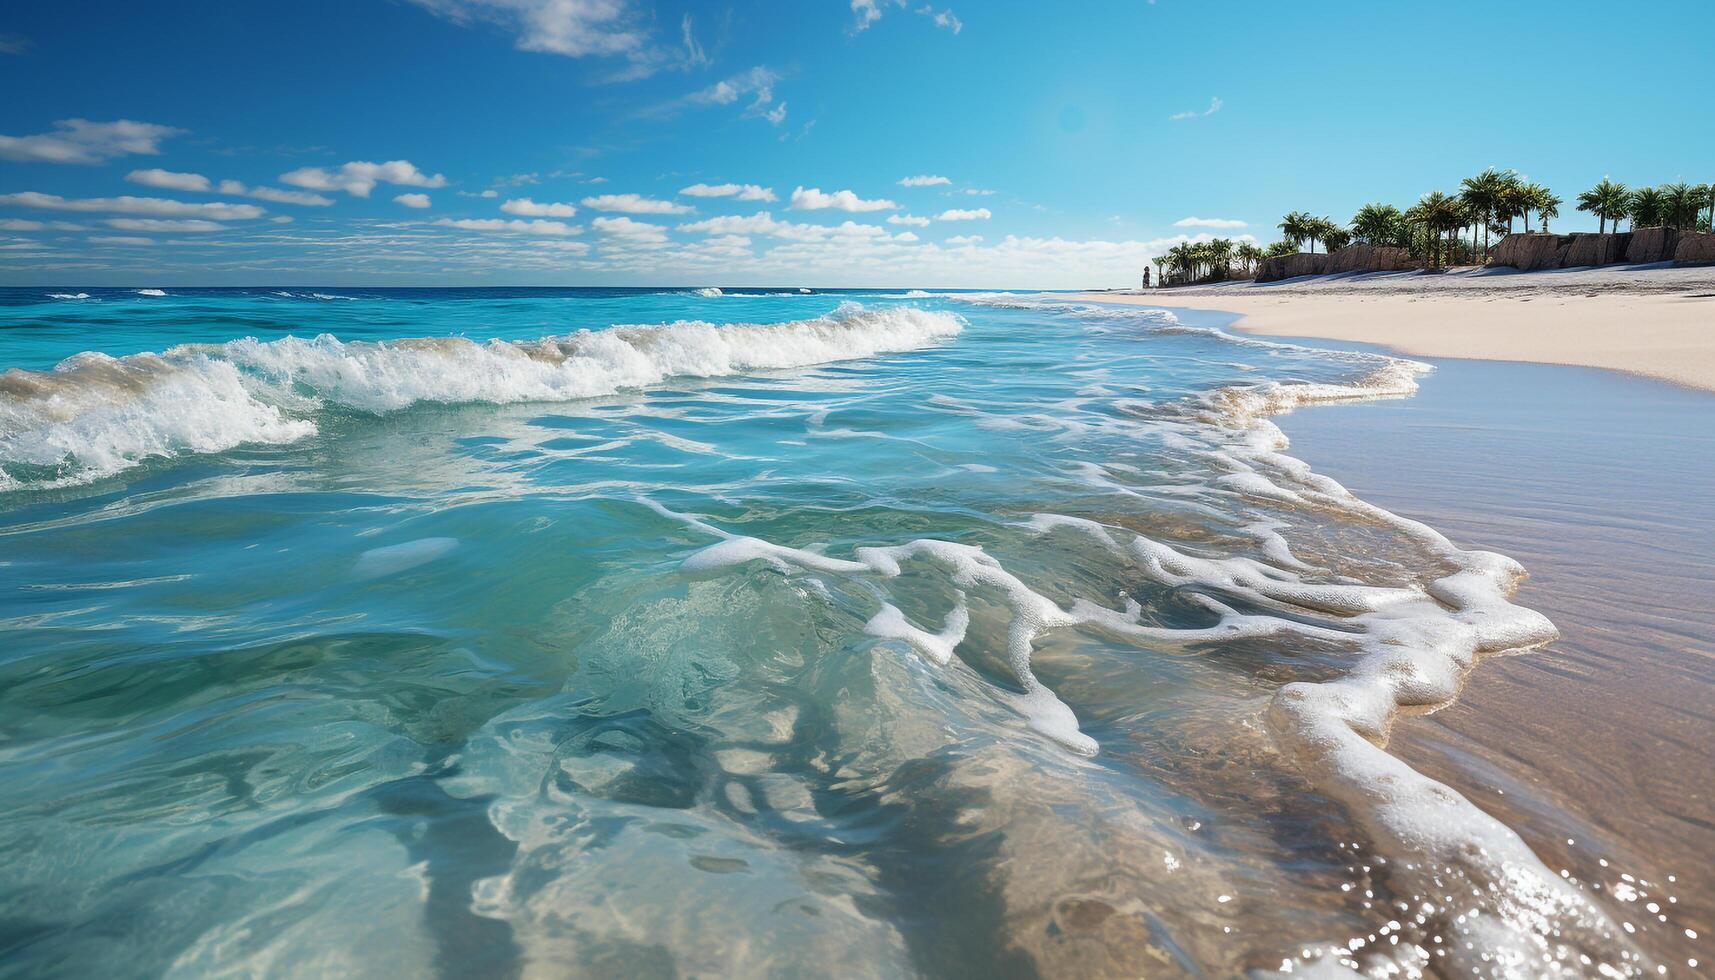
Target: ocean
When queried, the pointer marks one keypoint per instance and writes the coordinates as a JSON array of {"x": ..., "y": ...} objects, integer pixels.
[{"x": 650, "y": 632}]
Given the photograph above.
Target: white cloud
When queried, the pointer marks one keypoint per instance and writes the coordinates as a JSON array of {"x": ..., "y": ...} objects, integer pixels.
[
  {"x": 22, "y": 224},
  {"x": 537, "y": 227},
  {"x": 978, "y": 192},
  {"x": 956, "y": 214},
  {"x": 276, "y": 194},
  {"x": 579, "y": 29},
  {"x": 964, "y": 239},
  {"x": 197, "y": 182},
  {"x": 164, "y": 224},
  {"x": 776, "y": 115},
  {"x": 126, "y": 204},
  {"x": 1214, "y": 107},
  {"x": 359, "y": 177},
  {"x": 627, "y": 228},
  {"x": 281, "y": 219},
  {"x": 531, "y": 209},
  {"x": 634, "y": 204},
  {"x": 905, "y": 236},
  {"x": 763, "y": 223},
  {"x": 906, "y": 219},
  {"x": 412, "y": 200},
  {"x": 121, "y": 240},
  {"x": 1208, "y": 223},
  {"x": 924, "y": 180},
  {"x": 168, "y": 180},
  {"x": 814, "y": 200},
  {"x": 82, "y": 141},
  {"x": 491, "y": 192},
  {"x": 742, "y": 192}
]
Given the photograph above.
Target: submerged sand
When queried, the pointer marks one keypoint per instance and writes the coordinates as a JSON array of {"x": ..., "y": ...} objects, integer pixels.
[
  {"x": 1594, "y": 749},
  {"x": 1651, "y": 321}
]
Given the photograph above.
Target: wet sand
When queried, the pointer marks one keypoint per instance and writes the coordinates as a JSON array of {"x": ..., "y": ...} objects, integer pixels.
[
  {"x": 1651, "y": 321},
  {"x": 1596, "y": 748}
]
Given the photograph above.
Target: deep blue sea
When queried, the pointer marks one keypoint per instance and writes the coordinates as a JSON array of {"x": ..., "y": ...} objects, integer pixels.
[{"x": 698, "y": 632}]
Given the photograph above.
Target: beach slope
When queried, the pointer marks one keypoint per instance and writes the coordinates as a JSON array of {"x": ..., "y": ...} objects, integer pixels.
[{"x": 1658, "y": 323}]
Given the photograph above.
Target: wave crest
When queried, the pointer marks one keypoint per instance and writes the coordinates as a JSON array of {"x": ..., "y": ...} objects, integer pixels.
[{"x": 94, "y": 415}]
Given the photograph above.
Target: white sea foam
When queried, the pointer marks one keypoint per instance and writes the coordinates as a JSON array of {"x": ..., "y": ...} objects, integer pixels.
[
  {"x": 1478, "y": 880},
  {"x": 94, "y": 415},
  {"x": 707, "y": 292},
  {"x": 151, "y": 292},
  {"x": 68, "y": 296}
]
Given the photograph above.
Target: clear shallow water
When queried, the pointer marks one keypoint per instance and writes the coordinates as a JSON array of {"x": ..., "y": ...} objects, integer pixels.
[{"x": 941, "y": 635}]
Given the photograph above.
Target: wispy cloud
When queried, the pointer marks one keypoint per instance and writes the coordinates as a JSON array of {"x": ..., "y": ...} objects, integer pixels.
[
  {"x": 164, "y": 224},
  {"x": 412, "y": 200},
  {"x": 159, "y": 207},
  {"x": 906, "y": 219},
  {"x": 175, "y": 181},
  {"x": 1214, "y": 107},
  {"x": 957, "y": 214},
  {"x": 514, "y": 226},
  {"x": 923, "y": 180},
  {"x": 756, "y": 86},
  {"x": 867, "y": 12},
  {"x": 1209, "y": 223},
  {"x": 82, "y": 141}
]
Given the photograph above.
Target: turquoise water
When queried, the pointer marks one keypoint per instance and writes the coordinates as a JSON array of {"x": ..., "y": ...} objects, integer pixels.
[{"x": 671, "y": 633}]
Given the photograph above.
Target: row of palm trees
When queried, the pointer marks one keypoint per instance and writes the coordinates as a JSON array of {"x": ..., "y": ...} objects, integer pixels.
[
  {"x": 1677, "y": 205},
  {"x": 1209, "y": 261},
  {"x": 1434, "y": 228}
]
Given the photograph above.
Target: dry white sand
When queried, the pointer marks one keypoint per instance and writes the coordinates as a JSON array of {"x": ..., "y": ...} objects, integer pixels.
[{"x": 1656, "y": 322}]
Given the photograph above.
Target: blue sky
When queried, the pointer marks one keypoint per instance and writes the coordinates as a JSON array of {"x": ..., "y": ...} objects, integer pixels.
[{"x": 381, "y": 141}]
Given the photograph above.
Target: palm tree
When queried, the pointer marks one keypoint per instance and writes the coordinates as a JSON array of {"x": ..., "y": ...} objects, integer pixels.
[
  {"x": 1679, "y": 205},
  {"x": 1483, "y": 196},
  {"x": 1295, "y": 228},
  {"x": 1533, "y": 196},
  {"x": 1648, "y": 207},
  {"x": 1250, "y": 255},
  {"x": 1335, "y": 238},
  {"x": 1547, "y": 205},
  {"x": 1377, "y": 224},
  {"x": 1515, "y": 200},
  {"x": 1317, "y": 229},
  {"x": 1436, "y": 214},
  {"x": 1606, "y": 200},
  {"x": 1220, "y": 257},
  {"x": 1280, "y": 248}
]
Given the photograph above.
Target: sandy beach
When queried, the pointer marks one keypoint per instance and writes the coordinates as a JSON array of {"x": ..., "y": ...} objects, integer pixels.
[
  {"x": 1592, "y": 748},
  {"x": 1650, "y": 321}
]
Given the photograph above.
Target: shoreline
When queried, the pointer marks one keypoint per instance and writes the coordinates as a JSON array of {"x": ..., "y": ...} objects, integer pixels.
[
  {"x": 1655, "y": 323},
  {"x": 1589, "y": 748}
]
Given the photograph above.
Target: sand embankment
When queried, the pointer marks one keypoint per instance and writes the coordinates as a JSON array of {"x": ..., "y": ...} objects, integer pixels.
[{"x": 1655, "y": 322}]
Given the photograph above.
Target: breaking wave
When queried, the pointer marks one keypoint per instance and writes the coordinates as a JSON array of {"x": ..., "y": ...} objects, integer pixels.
[{"x": 94, "y": 415}]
